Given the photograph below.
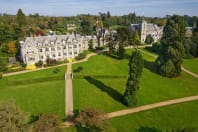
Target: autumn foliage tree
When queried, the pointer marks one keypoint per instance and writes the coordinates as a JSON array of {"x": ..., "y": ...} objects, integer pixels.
[
  {"x": 12, "y": 119},
  {"x": 11, "y": 47},
  {"x": 46, "y": 123},
  {"x": 92, "y": 119}
]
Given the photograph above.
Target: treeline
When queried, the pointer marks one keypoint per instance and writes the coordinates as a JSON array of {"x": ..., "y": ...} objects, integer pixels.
[{"x": 13, "y": 28}]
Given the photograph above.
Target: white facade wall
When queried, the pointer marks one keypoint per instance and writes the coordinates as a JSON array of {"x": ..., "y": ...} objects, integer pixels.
[{"x": 59, "y": 47}]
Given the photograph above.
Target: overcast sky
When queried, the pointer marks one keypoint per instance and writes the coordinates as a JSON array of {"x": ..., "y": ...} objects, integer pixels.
[{"x": 116, "y": 7}]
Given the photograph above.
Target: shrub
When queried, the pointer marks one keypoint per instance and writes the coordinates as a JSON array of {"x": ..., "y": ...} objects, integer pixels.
[
  {"x": 1, "y": 75},
  {"x": 79, "y": 69},
  {"x": 56, "y": 70},
  {"x": 50, "y": 62},
  {"x": 81, "y": 56},
  {"x": 39, "y": 63},
  {"x": 92, "y": 119}
]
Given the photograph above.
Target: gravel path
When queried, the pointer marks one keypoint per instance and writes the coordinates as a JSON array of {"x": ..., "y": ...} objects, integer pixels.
[
  {"x": 69, "y": 88},
  {"x": 151, "y": 106},
  {"x": 189, "y": 72}
]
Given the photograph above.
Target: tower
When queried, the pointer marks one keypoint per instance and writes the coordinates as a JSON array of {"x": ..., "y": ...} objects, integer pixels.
[{"x": 143, "y": 31}]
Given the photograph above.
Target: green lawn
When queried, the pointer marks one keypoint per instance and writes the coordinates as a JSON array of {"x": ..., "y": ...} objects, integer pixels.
[
  {"x": 165, "y": 118},
  {"x": 37, "y": 97},
  {"x": 191, "y": 64},
  {"x": 106, "y": 93}
]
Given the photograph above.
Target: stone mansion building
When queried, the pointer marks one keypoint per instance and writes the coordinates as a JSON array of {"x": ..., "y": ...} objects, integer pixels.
[
  {"x": 59, "y": 47},
  {"x": 145, "y": 29}
]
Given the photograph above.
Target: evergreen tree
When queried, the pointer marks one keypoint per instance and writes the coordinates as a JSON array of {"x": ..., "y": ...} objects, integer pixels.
[
  {"x": 136, "y": 38},
  {"x": 132, "y": 85},
  {"x": 149, "y": 39},
  {"x": 21, "y": 19},
  {"x": 172, "y": 50}
]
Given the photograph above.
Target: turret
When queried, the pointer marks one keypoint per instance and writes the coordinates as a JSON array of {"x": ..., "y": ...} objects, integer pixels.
[{"x": 143, "y": 30}]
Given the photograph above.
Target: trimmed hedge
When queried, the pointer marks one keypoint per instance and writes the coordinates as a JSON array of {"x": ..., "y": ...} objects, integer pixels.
[
  {"x": 1, "y": 75},
  {"x": 98, "y": 76},
  {"x": 37, "y": 80}
]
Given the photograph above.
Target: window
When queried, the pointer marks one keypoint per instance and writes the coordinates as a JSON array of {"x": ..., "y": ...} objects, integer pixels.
[
  {"x": 64, "y": 47},
  {"x": 31, "y": 58},
  {"x": 47, "y": 49},
  {"x": 53, "y": 49},
  {"x": 29, "y": 51},
  {"x": 75, "y": 46},
  {"x": 70, "y": 53},
  {"x": 41, "y": 50},
  {"x": 59, "y": 54},
  {"x": 54, "y": 55},
  {"x": 41, "y": 57},
  {"x": 75, "y": 53},
  {"x": 65, "y": 54},
  {"x": 58, "y": 48}
]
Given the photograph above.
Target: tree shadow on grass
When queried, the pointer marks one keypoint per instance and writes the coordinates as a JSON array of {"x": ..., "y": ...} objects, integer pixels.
[
  {"x": 151, "y": 66},
  {"x": 147, "y": 129},
  {"x": 110, "y": 91}
]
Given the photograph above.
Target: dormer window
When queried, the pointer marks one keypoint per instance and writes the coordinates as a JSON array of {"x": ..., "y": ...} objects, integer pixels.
[
  {"x": 29, "y": 51},
  {"x": 39, "y": 44}
]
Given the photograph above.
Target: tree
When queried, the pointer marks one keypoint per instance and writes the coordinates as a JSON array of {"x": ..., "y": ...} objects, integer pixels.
[
  {"x": 190, "y": 48},
  {"x": 121, "y": 51},
  {"x": 149, "y": 39},
  {"x": 111, "y": 41},
  {"x": 90, "y": 44},
  {"x": 92, "y": 119},
  {"x": 1, "y": 75},
  {"x": 99, "y": 31},
  {"x": 46, "y": 123},
  {"x": 135, "y": 72},
  {"x": 172, "y": 50},
  {"x": 3, "y": 67},
  {"x": 135, "y": 38},
  {"x": 21, "y": 19},
  {"x": 11, "y": 47},
  {"x": 12, "y": 119},
  {"x": 123, "y": 39},
  {"x": 5, "y": 34}
]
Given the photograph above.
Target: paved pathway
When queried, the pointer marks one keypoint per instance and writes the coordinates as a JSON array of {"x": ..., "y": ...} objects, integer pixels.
[
  {"x": 189, "y": 72},
  {"x": 68, "y": 86},
  {"x": 141, "y": 108},
  {"x": 183, "y": 69},
  {"x": 151, "y": 106},
  {"x": 68, "y": 91},
  {"x": 37, "y": 69}
]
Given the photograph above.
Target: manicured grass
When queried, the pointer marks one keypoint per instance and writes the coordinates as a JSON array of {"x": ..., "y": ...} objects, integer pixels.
[
  {"x": 165, "y": 118},
  {"x": 35, "y": 98},
  {"x": 191, "y": 64},
  {"x": 106, "y": 93}
]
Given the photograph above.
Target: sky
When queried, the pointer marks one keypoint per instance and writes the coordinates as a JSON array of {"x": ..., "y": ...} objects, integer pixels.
[{"x": 152, "y": 8}]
